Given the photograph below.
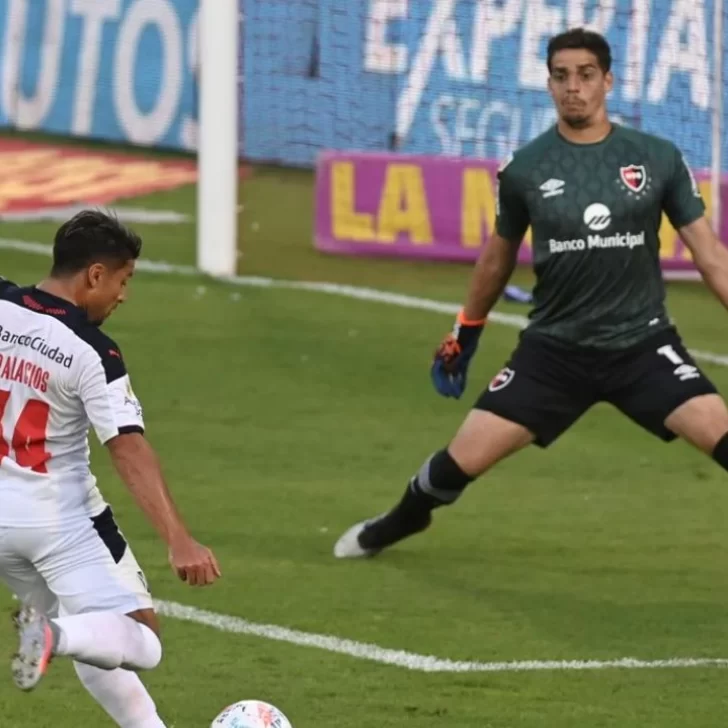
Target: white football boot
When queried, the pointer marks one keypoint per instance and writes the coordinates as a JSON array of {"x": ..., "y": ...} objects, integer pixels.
[
  {"x": 37, "y": 640},
  {"x": 348, "y": 546}
]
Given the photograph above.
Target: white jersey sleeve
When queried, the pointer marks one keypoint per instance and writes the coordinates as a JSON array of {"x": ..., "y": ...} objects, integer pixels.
[{"x": 109, "y": 400}]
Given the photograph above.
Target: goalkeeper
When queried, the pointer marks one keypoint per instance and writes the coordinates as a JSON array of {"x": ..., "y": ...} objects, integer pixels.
[{"x": 593, "y": 193}]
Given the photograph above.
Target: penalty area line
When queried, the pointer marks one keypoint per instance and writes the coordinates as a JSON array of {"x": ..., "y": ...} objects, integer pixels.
[
  {"x": 355, "y": 292},
  {"x": 410, "y": 660}
]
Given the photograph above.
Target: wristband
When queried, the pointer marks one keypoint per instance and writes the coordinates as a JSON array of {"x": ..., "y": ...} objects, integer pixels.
[{"x": 465, "y": 322}]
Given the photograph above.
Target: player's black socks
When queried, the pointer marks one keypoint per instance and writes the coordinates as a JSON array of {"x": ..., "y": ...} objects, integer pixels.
[
  {"x": 439, "y": 482},
  {"x": 720, "y": 452}
]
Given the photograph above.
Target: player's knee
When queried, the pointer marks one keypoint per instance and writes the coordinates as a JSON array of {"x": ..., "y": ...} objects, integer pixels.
[
  {"x": 720, "y": 452},
  {"x": 442, "y": 479},
  {"x": 153, "y": 645},
  {"x": 144, "y": 652},
  {"x": 151, "y": 639}
]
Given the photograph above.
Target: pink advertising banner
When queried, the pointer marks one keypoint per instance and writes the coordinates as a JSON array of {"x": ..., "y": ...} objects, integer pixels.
[{"x": 434, "y": 208}]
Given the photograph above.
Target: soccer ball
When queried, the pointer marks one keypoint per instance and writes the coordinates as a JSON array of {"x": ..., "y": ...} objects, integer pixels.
[{"x": 251, "y": 714}]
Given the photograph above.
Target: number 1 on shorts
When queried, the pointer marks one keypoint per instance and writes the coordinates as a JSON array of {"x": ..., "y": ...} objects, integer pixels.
[{"x": 671, "y": 354}]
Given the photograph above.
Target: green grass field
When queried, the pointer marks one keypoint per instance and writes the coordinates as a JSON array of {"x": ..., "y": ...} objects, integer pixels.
[{"x": 283, "y": 416}]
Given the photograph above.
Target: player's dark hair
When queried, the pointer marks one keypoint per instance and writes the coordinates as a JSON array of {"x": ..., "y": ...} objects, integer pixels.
[
  {"x": 89, "y": 237},
  {"x": 580, "y": 38}
]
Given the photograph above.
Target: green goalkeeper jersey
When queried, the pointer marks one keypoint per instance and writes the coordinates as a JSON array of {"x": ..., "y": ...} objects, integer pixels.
[{"x": 595, "y": 211}]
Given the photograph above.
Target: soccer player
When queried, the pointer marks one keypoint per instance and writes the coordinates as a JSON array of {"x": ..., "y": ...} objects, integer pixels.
[
  {"x": 82, "y": 592},
  {"x": 593, "y": 193}
]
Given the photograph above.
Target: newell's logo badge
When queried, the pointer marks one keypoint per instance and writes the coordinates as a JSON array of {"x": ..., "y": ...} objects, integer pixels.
[
  {"x": 501, "y": 380},
  {"x": 634, "y": 176}
]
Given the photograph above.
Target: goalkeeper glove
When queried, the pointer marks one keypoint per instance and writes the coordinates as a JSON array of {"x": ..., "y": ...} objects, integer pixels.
[{"x": 449, "y": 369}]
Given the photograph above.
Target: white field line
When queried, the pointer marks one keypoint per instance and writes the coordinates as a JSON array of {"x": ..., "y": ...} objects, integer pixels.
[
  {"x": 408, "y": 660},
  {"x": 363, "y": 294}
]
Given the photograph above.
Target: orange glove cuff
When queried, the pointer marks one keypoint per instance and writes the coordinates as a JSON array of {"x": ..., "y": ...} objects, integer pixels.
[{"x": 466, "y": 322}]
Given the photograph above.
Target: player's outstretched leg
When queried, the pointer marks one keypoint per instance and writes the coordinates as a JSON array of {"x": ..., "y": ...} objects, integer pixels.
[
  {"x": 122, "y": 695},
  {"x": 481, "y": 442},
  {"x": 102, "y": 639},
  {"x": 703, "y": 422}
]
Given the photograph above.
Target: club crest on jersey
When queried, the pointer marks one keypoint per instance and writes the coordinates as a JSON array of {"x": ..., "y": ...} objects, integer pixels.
[
  {"x": 501, "y": 380},
  {"x": 634, "y": 176}
]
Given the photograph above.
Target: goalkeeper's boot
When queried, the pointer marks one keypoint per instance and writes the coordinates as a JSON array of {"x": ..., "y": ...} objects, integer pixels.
[
  {"x": 368, "y": 538},
  {"x": 37, "y": 640}
]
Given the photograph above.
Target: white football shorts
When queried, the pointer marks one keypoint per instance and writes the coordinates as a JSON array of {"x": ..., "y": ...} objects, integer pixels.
[{"x": 87, "y": 567}]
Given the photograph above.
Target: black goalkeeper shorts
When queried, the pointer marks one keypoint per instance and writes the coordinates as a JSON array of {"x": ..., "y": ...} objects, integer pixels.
[{"x": 547, "y": 385}]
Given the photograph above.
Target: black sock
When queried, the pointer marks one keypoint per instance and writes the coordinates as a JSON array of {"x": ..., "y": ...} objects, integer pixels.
[
  {"x": 439, "y": 482},
  {"x": 720, "y": 452}
]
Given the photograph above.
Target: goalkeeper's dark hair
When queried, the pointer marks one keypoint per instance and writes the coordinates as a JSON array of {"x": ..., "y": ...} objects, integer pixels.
[
  {"x": 93, "y": 236},
  {"x": 578, "y": 39}
]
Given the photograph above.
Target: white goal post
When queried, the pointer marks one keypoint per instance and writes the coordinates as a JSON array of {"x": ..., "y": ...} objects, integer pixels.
[
  {"x": 716, "y": 157},
  {"x": 217, "y": 152}
]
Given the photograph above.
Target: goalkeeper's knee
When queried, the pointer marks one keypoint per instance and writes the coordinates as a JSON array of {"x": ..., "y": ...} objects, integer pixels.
[{"x": 441, "y": 479}]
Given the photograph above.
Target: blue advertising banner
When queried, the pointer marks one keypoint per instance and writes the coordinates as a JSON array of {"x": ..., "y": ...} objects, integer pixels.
[
  {"x": 120, "y": 70},
  {"x": 463, "y": 77},
  {"x": 454, "y": 77}
]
